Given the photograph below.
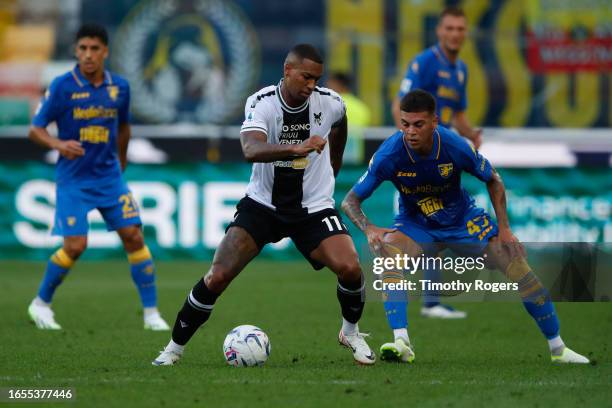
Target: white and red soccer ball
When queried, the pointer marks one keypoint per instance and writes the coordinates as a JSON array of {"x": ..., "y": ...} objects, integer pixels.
[{"x": 246, "y": 346}]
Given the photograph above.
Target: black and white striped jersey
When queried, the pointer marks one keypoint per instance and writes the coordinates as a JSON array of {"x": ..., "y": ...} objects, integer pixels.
[{"x": 302, "y": 185}]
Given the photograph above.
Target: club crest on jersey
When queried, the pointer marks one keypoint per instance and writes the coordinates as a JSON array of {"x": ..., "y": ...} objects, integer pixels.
[
  {"x": 445, "y": 169},
  {"x": 189, "y": 60},
  {"x": 113, "y": 92},
  {"x": 317, "y": 118}
]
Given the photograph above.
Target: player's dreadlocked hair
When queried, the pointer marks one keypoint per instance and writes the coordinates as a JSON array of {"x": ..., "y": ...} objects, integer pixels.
[
  {"x": 305, "y": 51},
  {"x": 92, "y": 30},
  {"x": 418, "y": 101}
]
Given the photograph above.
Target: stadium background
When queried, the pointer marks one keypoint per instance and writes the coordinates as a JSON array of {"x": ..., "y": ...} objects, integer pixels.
[{"x": 539, "y": 84}]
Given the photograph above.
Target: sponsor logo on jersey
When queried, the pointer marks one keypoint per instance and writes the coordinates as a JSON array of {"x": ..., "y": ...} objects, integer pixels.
[
  {"x": 94, "y": 134},
  {"x": 430, "y": 205},
  {"x": 445, "y": 169},
  {"x": 189, "y": 60},
  {"x": 297, "y": 164},
  {"x": 296, "y": 127},
  {"x": 406, "y": 174},
  {"x": 317, "y": 118},
  {"x": 71, "y": 221},
  {"x": 294, "y": 133},
  {"x": 444, "y": 74},
  {"x": 93, "y": 112},
  {"x": 78, "y": 95},
  {"x": 446, "y": 92},
  {"x": 300, "y": 164}
]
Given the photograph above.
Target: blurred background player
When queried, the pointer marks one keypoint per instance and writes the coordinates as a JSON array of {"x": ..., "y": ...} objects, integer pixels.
[
  {"x": 439, "y": 71},
  {"x": 357, "y": 114},
  {"x": 445, "y": 216},
  {"x": 91, "y": 109},
  {"x": 285, "y": 135}
]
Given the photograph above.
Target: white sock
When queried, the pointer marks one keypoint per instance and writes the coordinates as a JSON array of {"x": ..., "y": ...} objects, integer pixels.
[
  {"x": 348, "y": 327},
  {"x": 401, "y": 334},
  {"x": 150, "y": 311},
  {"x": 555, "y": 343},
  {"x": 39, "y": 302},
  {"x": 176, "y": 348}
]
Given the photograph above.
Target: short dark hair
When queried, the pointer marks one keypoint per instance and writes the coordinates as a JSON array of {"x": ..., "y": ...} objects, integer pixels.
[
  {"x": 451, "y": 11},
  {"x": 306, "y": 51},
  {"x": 342, "y": 77},
  {"x": 418, "y": 101},
  {"x": 92, "y": 30}
]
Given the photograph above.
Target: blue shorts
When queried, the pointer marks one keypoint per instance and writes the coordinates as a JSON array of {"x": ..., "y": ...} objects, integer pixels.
[
  {"x": 114, "y": 201},
  {"x": 471, "y": 235}
]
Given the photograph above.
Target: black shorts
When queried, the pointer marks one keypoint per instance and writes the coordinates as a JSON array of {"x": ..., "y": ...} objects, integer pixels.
[{"x": 305, "y": 230}]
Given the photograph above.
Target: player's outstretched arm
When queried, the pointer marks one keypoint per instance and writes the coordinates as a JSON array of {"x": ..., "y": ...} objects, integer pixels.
[
  {"x": 256, "y": 148},
  {"x": 497, "y": 194},
  {"x": 123, "y": 139},
  {"x": 351, "y": 205},
  {"x": 337, "y": 142},
  {"x": 70, "y": 149}
]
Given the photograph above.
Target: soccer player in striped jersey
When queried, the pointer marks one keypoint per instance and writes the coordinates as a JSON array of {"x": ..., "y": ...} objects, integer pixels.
[{"x": 294, "y": 133}]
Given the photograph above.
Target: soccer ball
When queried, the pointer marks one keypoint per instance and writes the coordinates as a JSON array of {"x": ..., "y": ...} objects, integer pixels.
[{"x": 246, "y": 346}]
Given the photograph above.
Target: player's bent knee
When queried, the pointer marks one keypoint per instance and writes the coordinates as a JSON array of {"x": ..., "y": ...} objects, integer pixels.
[
  {"x": 517, "y": 269},
  {"x": 219, "y": 277},
  {"x": 397, "y": 243},
  {"x": 74, "y": 246},
  {"x": 132, "y": 238},
  {"x": 348, "y": 271}
]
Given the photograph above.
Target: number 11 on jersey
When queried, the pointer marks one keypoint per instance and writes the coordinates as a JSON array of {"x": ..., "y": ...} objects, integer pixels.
[{"x": 330, "y": 226}]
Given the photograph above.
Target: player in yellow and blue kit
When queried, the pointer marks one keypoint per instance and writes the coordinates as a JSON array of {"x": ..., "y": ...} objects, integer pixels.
[
  {"x": 439, "y": 71},
  {"x": 424, "y": 162},
  {"x": 91, "y": 109}
]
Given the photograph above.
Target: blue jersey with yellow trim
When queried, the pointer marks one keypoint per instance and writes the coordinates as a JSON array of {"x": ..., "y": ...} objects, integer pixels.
[
  {"x": 430, "y": 187},
  {"x": 431, "y": 71},
  {"x": 90, "y": 115}
]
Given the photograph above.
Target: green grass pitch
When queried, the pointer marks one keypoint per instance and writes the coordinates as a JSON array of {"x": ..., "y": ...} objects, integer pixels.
[{"x": 494, "y": 358}]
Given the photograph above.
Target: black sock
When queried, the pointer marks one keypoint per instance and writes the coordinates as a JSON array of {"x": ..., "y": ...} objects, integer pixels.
[
  {"x": 195, "y": 312},
  {"x": 352, "y": 299}
]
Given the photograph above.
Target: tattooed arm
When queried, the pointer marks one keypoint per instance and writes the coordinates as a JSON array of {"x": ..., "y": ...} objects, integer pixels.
[{"x": 351, "y": 205}]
